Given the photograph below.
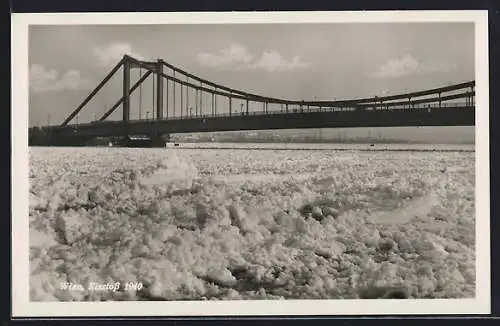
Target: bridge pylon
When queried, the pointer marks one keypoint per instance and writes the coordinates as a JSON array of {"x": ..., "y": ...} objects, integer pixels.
[{"x": 128, "y": 63}]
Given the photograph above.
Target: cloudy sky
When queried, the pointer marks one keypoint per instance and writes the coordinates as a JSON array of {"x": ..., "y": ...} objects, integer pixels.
[{"x": 293, "y": 61}]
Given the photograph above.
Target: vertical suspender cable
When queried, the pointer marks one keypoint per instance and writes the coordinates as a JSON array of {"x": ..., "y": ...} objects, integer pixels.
[
  {"x": 174, "y": 91},
  {"x": 196, "y": 101},
  {"x": 213, "y": 97},
  {"x": 154, "y": 115},
  {"x": 140, "y": 94},
  {"x": 187, "y": 96},
  {"x": 201, "y": 100},
  {"x": 182, "y": 95}
]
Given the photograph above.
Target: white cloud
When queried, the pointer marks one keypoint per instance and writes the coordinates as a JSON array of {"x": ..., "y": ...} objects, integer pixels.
[
  {"x": 408, "y": 65},
  {"x": 272, "y": 60},
  {"x": 47, "y": 80},
  {"x": 236, "y": 56},
  {"x": 113, "y": 53}
]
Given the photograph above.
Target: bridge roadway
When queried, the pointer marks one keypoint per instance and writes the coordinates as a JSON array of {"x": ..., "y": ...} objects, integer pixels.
[{"x": 395, "y": 117}]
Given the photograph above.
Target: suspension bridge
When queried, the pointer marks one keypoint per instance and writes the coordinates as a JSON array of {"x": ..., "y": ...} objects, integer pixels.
[{"x": 220, "y": 108}]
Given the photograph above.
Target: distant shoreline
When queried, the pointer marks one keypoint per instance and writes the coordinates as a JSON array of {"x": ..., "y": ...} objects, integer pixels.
[
  {"x": 340, "y": 149},
  {"x": 332, "y": 142}
]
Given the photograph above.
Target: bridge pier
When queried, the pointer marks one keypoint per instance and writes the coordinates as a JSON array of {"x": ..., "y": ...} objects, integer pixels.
[
  {"x": 158, "y": 140},
  {"x": 149, "y": 141}
]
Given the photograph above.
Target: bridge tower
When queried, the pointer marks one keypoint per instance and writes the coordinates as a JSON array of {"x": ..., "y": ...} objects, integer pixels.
[
  {"x": 127, "y": 63},
  {"x": 156, "y": 68}
]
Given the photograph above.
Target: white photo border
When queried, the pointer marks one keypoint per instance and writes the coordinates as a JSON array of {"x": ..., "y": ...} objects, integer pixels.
[{"x": 21, "y": 305}]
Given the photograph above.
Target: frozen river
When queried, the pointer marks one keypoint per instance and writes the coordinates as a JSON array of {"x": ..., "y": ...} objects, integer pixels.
[{"x": 279, "y": 222}]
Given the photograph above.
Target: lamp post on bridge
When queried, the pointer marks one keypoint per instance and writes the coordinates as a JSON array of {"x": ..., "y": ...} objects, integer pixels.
[{"x": 316, "y": 100}]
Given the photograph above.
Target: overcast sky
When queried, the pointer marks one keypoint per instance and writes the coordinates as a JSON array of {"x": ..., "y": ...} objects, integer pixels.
[{"x": 293, "y": 61}]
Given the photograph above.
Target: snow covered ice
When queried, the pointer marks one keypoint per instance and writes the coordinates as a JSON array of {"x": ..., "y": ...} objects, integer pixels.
[{"x": 212, "y": 224}]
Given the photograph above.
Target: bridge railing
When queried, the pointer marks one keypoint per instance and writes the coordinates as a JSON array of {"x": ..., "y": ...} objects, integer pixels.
[{"x": 383, "y": 107}]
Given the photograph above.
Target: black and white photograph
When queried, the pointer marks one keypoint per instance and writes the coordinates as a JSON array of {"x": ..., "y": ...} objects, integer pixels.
[{"x": 207, "y": 162}]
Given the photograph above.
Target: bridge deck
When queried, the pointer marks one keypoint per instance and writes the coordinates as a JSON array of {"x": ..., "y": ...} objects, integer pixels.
[{"x": 444, "y": 116}]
